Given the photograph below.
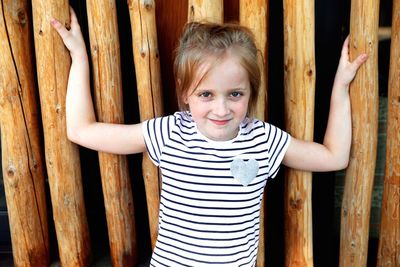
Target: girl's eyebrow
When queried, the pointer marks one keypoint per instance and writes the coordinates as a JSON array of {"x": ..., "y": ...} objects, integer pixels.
[{"x": 238, "y": 89}]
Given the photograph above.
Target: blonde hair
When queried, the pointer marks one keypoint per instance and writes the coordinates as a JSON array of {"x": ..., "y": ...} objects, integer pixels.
[{"x": 202, "y": 41}]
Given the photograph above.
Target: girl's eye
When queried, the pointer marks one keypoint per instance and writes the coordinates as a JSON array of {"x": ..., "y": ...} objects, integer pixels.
[
  {"x": 205, "y": 94},
  {"x": 236, "y": 94}
]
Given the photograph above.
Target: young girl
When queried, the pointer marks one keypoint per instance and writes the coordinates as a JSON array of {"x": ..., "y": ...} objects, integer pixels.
[{"x": 215, "y": 158}]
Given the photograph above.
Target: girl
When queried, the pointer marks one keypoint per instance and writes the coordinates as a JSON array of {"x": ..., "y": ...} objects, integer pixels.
[{"x": 215, "y": 158}]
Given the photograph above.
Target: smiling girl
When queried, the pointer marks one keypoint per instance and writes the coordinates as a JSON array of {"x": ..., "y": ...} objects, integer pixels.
[{"x": 215, "y": 158}]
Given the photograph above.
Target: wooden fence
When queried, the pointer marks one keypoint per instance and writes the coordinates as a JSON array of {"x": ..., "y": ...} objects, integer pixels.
[{"x": 22, "y": 82}]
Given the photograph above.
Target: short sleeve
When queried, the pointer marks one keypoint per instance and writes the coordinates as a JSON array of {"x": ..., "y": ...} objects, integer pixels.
[
  {"x": 278, "y": 141},
  {"x": 156, "y": 132}
]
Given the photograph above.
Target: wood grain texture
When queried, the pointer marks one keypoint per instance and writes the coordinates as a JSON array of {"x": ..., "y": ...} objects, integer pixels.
[
  {"x": 62, "y": 156},
  {"x": 115, "y": 178},
  {"x": 389, "y": 236},
  {"x": 22, "y": 157},
  {"x": 299, "y": 83},
  {"x": 148, "y": 80},
  {"x": 254, "y": 15},
  {"x": 360, "y": 173},
  {"x": 206, "y": 10}
]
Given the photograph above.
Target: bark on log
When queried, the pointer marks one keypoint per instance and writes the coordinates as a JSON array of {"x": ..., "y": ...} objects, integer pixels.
[
  {"x": 206, "y": 10},
  {"x": 389, "y": 237},
  {"x": 254, "y": 15},
  {"x": 62, "y": 157},
  {"x": 299, "y": 81},
  {"x": 22, "y": 157},
  {"x": 148, "y": 80},
  {"x": 364, "y": 107},
  {"x": 107, "y": 79}
]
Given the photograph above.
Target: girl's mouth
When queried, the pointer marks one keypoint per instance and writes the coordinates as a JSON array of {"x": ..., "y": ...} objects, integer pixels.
[{"x": 219, "y": 122}]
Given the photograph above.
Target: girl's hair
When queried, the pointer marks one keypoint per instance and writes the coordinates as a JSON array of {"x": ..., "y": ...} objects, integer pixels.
[{"x": 201, "y": 42}]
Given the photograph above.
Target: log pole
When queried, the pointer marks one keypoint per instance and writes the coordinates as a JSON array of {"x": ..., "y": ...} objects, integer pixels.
[
  {"x": 207, "y": 10},
  {"x": 107, "y": 80},
  {"x": 389, "y": 237},
  {"x": 148, "y": 80},
  {"x": 62, "y": 156},
  {"x": 299, "y": 83},
  {"x": 22, "y": 158},
  {"x": 360, "y": 173},
  {"x": 254, "y": 15}
]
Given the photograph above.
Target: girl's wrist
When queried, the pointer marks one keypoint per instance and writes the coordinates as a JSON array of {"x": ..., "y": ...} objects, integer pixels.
[{"x": 79, "y": 57}]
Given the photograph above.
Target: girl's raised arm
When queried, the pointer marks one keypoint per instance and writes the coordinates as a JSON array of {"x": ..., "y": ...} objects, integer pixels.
[
  {"x": 334, "y": 153},
  {"x": 82, "y": 127}
]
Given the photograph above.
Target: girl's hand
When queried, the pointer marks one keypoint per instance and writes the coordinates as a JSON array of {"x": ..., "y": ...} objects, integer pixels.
[
  {"x": 347, "y": 70},
  {"x": 72, "y": 38}
]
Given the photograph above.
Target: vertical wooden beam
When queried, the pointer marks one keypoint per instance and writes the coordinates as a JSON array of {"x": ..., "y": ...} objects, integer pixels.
[
  {"x": 299, "y": 81},
  {"x": 364, "y": 107},
  {"x": 148, "y": 80},
  {"x": 22, "y": 159},
  {"x": 254, "y": 15},
  {"x": 208, "y": 10},
  {"x": 107, "y": 79},
  {"x": 389, "y": 237},
  {"x": 62, "y": 156}
]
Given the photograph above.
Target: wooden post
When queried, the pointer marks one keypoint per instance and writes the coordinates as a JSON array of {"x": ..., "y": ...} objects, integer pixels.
[
  {"x": 389, "y": 239},
  {"x": 117, "y": 191},
  {"x": 254, "y": 15},
  {"x": 62, "y": 156},
  {"x": 208, "y": 10},
  {"x": 364, "y": 107},
  {"x": 23, "y": 162},
  {"x": 299, "y": 80},
  {"x": 148, "y": 80}
]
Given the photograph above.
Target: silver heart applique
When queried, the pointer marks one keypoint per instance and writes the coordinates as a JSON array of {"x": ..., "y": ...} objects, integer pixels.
[{"x": 244, "y": 172}]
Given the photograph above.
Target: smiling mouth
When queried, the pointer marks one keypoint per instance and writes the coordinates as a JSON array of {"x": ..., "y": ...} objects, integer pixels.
[{"x": 219, "y": 122}]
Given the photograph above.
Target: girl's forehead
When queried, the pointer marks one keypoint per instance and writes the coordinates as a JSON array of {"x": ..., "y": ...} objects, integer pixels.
[{"x": 224, "y": 73}]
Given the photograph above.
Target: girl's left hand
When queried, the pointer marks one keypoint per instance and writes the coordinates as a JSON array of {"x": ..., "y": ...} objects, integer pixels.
[{"x": 347, "y": 70}]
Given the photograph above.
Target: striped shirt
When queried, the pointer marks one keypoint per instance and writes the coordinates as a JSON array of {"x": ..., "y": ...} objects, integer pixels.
[{"x": 207, "y": 217}]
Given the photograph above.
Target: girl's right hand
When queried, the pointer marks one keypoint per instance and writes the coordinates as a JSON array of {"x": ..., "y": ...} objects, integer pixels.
[{"x": 72, "y": 38}]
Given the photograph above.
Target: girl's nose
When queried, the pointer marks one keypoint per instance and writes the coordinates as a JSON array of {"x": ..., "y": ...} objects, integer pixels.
[{"x": 221, "y": 108}]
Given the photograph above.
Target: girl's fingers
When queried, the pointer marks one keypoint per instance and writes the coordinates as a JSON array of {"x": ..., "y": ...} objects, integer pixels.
[
  {"x": 345, "y": 48},
  {"x": 359, "y": 61},
  {"x": 62, "y": 31},
  {"x": 73, "y": 16}
]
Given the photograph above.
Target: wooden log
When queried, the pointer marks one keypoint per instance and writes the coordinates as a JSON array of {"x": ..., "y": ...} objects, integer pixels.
[
  {"x": 206, "y": 10},
  {"x": 364, "y": 107},
  {"x": 148, "y": 80},
  {"x": 384, "y": 33},
  {"x": 107, "y": 80},
  {"x": 254, "y": 15},
  {"x": 62, "y": 156},
  {"x": 22, "y": 158},
  {"x": 389, "y": 236},
  {"x": 299, "y": 82}
]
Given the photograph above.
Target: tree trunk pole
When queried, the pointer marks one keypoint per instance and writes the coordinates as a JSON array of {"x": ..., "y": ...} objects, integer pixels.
[
  {"x": 148, "y": 80},
  {"x": 22, "y": 158},
  {"x": 117, "y": 191},
  {"x": 62, "y": 156},
  {"x": 364, "y": 104},
  {"x": 207, "y": 10},
  {"x": 389, "y": 238},
  {"x": 254, "y": 15},
  {"x": 299, "y": 79}
]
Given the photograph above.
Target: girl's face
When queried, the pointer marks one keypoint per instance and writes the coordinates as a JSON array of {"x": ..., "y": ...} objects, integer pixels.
[{"x": 219, "y": 103}]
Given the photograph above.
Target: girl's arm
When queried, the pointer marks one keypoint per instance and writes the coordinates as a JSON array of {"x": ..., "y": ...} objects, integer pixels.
[
  {"x": 82, "y": 127},
  {"x": 334, "y": 153}
]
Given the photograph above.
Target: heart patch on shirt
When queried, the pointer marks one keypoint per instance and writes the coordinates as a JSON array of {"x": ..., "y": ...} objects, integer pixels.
[{"x": 244, "y": 172}]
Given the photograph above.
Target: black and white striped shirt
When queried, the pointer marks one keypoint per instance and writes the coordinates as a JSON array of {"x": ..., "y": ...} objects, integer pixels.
[{"x": 208, "y": 218}]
